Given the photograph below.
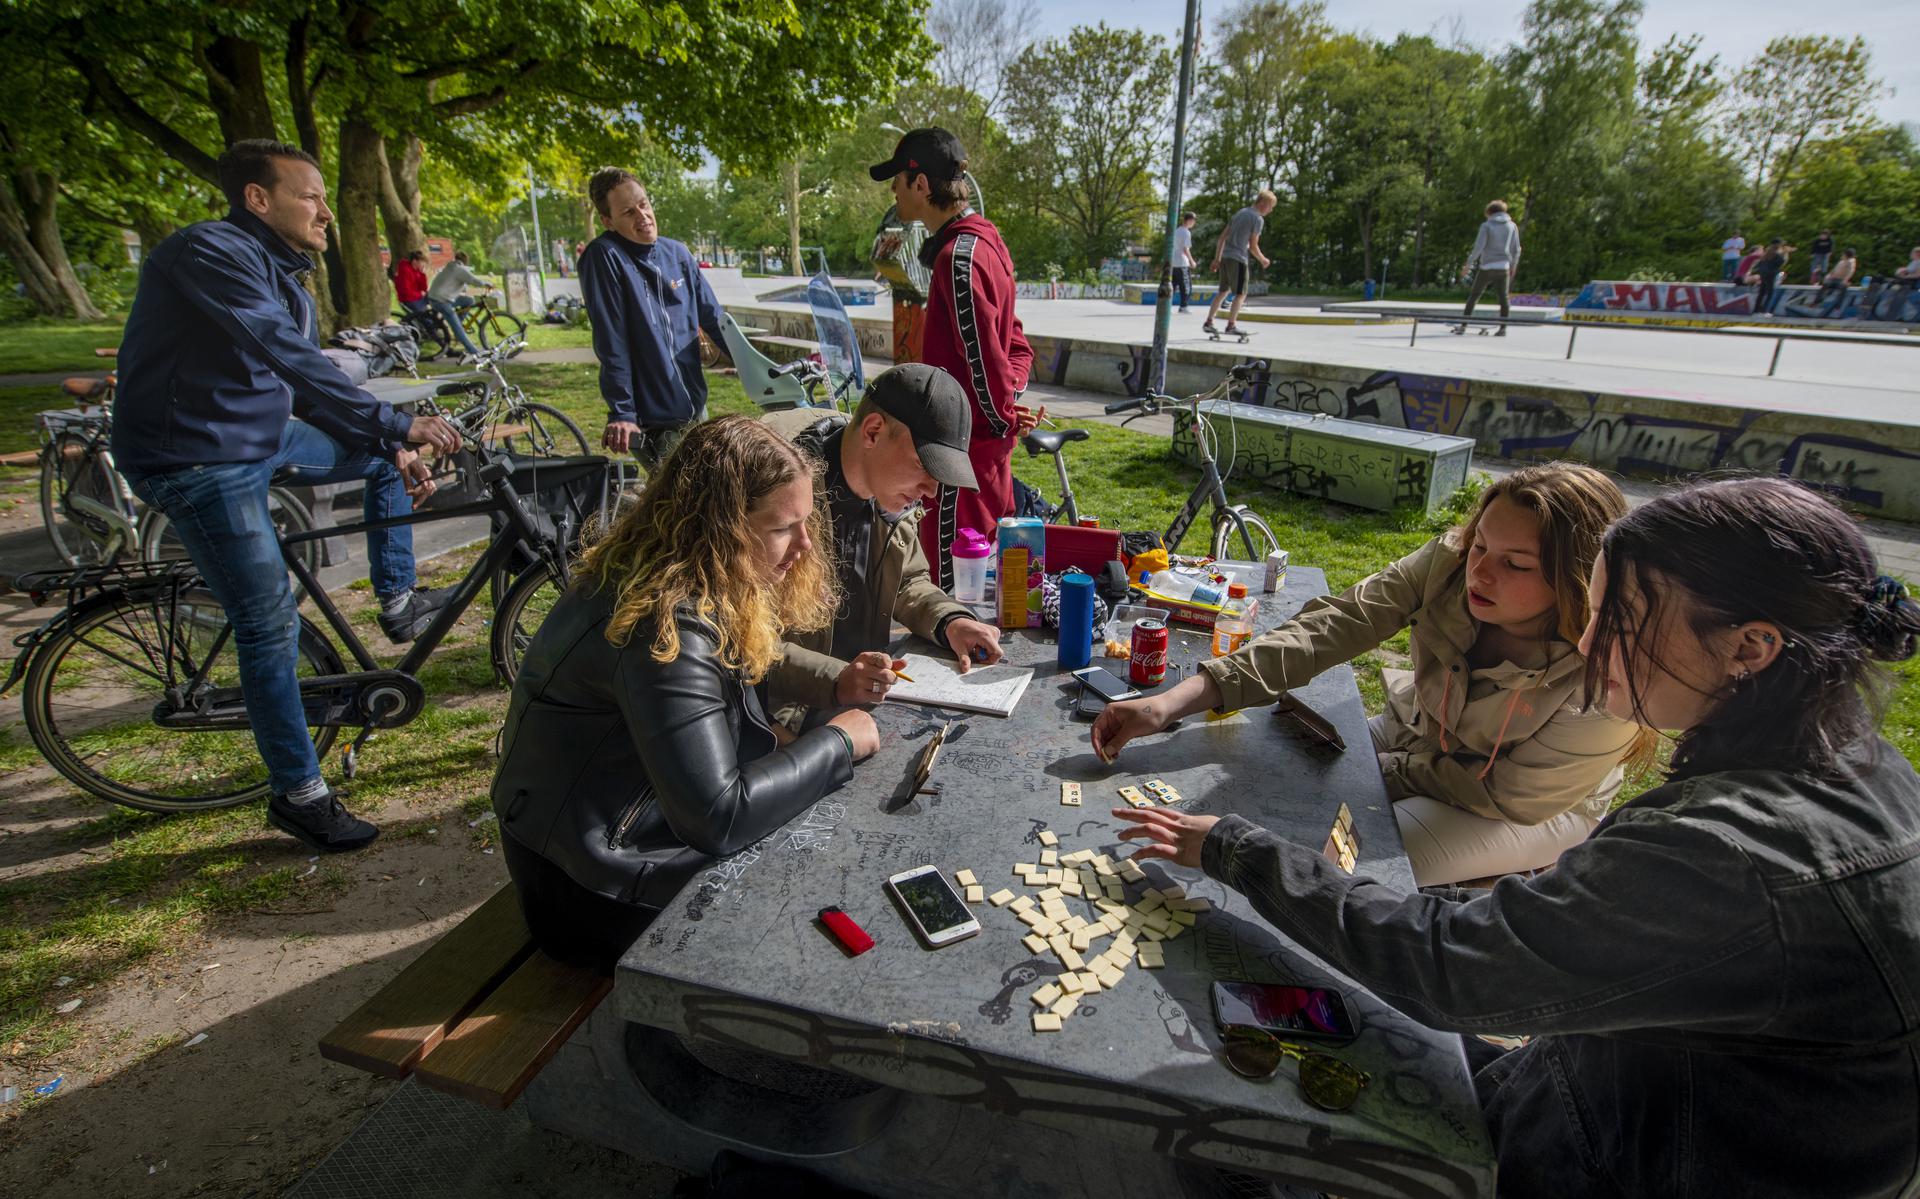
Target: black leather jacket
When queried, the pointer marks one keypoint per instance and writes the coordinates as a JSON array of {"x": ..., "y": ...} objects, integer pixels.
[{"x": 632, "y": 775}]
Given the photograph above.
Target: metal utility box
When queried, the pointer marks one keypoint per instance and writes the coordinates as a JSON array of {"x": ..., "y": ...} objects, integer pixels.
[{"x": 1368, "y": 466}]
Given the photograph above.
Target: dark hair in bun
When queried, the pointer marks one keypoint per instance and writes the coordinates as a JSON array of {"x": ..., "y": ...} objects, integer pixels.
[{"x": 1771, "y": 550}]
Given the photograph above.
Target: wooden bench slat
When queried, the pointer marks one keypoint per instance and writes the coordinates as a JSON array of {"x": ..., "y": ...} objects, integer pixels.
[
  {"x": 495, "y": 1052},
  {"x": 390, "y": 1033}
]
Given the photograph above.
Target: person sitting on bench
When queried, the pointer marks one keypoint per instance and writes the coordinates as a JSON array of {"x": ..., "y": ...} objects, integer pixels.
[
  {"x": 1719, "y": 984},
  {"x": 1492, "y": 761},
  {"x": 909, "y": 434},
  {"x": 637, "y": 747}
]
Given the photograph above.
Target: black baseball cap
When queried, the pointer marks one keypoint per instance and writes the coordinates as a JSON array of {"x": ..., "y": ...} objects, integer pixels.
[
  {"x": 934, "y": 408},
  {"x": 933, "y": 151}
]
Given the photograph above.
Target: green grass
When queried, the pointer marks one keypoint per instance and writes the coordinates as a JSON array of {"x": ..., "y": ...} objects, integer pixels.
[
  {"x": 559, "y": 337},
  {"x": 32, "y": 347},
  {"x": 17, "y": 408}
]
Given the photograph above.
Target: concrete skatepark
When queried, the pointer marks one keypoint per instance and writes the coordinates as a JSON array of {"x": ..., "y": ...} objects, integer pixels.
[{"x": 1838, "y": 412}]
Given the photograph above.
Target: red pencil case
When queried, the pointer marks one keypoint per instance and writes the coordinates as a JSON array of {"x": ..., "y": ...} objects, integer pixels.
[{"x": 844, "y": 930}]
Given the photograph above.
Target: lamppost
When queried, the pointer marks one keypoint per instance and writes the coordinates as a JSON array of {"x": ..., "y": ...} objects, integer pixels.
[{"x": 1163, "y": 308}]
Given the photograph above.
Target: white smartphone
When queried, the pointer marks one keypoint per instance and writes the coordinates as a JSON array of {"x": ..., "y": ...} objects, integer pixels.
[
  {"x": 933, "y": 907},
  {"x": 1105, "y": 684}
]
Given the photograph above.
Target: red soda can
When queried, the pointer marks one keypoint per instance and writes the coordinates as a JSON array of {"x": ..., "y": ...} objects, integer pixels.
[{"x": 1148, "y": 665}]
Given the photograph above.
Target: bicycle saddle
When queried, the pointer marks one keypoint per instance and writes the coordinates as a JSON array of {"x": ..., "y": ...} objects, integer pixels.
[
  {"x": 84, "y": 388},
  {"x": 1049, "y": 441}
]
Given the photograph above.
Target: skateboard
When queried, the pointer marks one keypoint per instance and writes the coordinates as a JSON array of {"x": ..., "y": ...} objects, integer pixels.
[
  {"x": 1483, "y": 331},
  {"x": 1239, "y": 334}
]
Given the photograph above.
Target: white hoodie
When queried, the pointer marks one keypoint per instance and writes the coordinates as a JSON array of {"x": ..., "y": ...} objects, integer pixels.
[{"x": 1498, "y": 246}]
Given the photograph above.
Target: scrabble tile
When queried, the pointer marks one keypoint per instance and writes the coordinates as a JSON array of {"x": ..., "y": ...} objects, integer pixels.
[
  {"x": 1185, "y": 919},
  {"x": 1199, "y": 905},
  {"x": 1046, "y": 1022},
  {"x": 1023, "y": 869},
  {"x": 1109, "y": 978},
  {"x": 1154, "y": 934},
  {"x": 1049, "y": 857},
  {"x": 976, "y": 894},
  {"x": 1072, "y": 887},
  {"x": 1049, "y": 894},
  {"x": 1031, "y": 918},
  {"x": 1173, "y": 891},
  {"x": 965, "y": 878},
  {"x": 1152, "y": 903},
  {"x": 1000, "y": 898},
  {"x": 1126, "y": 951},
  {"x": 1071, "y": 960},
  {"x": 1074, "y": 924},
  {"x": 1047, "y": 836},
  {"x": 1081, "y": 941},
  {"x": 1024, "y": 903},
  {"x": 1070, "y": 795},
  {"x": 1089, "y": 982},
  {"x": 1045, "y": 996},
  {"x": 1077, "y": 856},
  {"x": 1147, "y": 963},
  {"x": 1064, "y": 1006},
  {"x": 1071, "y": 984},
  {"x": 1034, "y": 942},
  {"x": 1134, "y": 796},
  {"x": 1060, "y": 942}
]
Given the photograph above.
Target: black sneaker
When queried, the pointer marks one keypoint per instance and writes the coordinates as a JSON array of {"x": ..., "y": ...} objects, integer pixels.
[
  {"x": 1207, "y": 327},
  {"x": 324, "y": 824},
  {"x": 411, "y": 621}
]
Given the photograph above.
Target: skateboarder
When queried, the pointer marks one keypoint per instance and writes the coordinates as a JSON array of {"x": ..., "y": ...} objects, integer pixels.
[
  {"x": 1497, "y": 253},
  {"x": 1239, "y": 242}
]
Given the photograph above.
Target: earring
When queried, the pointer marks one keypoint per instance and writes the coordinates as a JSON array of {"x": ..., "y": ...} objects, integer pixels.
[{"x": 1745, "y": 677}]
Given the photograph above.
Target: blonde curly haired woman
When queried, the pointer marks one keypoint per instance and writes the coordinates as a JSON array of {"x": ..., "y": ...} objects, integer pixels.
[{"x": 637, "y": 746}]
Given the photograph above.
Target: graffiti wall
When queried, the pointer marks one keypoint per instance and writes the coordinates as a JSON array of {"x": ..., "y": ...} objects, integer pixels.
[
  {"x": 1709, "y": 300},
  {"x": 1360, "y": 464},
  {"x": 1873, "y": 467}
]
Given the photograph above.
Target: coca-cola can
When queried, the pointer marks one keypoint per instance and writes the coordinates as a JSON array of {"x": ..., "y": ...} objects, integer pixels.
[{"x": 1148, "y": 665}]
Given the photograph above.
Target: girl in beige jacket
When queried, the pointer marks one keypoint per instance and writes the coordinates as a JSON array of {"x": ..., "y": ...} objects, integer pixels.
[{"x": 1492, "y": 761}]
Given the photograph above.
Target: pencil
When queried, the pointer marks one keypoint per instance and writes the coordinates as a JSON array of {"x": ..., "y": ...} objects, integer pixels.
[{"x": 901, "y": 674}]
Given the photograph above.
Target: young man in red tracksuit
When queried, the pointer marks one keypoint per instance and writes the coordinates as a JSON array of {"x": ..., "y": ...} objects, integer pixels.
[{"x": 971, "y": 331}]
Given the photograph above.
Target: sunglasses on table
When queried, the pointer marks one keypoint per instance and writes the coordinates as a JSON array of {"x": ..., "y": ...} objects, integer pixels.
[{"x": 1327, "y": 1082}]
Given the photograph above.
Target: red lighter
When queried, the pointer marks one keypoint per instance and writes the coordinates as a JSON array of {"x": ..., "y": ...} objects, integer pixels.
[{"x": 845, "y": 931}]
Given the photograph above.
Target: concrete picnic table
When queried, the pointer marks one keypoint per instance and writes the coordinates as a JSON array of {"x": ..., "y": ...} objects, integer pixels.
[{"x": 735, "y": 1022}]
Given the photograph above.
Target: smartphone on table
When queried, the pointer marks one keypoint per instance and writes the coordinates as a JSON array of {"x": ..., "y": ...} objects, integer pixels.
[
  {"x": 1099, "y": 687},
  {"x": 935, "y": 910},
  {"x": 1287, "y": 1010}
]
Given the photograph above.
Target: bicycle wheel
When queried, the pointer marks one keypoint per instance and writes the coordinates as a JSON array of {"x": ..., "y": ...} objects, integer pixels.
[
  {"x": 528, "y": 601},
  {"x": 531, "y": 429},
  {"x": 434, "y": 337},
  {"x": 69, "y": 470},
  {"x": 1247, "y": 533},
  {"x": 92, "y": 690},
  {"x": 495, "y": 326},
  {"x": 158, "y": 541}
]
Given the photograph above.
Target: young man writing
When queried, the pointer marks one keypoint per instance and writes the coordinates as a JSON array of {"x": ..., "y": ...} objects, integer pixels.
[
  {"x": 649, "y": 302},
  {"x": 1234, "y": 255},
  {"x": 218, "y": 359},
  {"x": 908, "y": 438},
  {"x": 971, "y": 331}
]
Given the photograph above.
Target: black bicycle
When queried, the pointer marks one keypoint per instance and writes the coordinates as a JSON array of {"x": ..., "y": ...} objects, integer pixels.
[
  {"x": 132, "y": 689},
  {"x": 1234, "y": 526},
  {"x": 484, "y": 320}
]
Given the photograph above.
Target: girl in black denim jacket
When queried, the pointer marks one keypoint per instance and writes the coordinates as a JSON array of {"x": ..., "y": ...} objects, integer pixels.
[{"x": 1722, "y": 985}]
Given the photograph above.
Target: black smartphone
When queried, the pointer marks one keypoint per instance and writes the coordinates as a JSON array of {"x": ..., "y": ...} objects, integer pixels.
[
  {"x": 1285, "y": 1009},
  {"x": 1091, "y": 704}
]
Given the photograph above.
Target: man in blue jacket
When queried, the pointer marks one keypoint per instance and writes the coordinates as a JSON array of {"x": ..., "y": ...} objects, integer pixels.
[
  {"x": 217, "y": 360},
  {"x": 648, "y": 302}
]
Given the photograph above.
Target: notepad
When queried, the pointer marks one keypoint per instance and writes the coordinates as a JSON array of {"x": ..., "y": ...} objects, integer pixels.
[{"x": 993, "y": 690}]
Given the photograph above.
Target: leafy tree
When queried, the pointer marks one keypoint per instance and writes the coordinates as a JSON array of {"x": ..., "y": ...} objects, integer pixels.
[
  {"x": 1090, "y": 115},
  {"x": 1866, "y": 189},
  {"x": 1563, "y": 108},
  {"x": 1797, "y": 90},
  {"x": 484, "y": 86}
]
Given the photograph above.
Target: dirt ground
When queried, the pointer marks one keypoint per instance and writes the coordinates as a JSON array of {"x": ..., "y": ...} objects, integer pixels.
[{"x": 143, "y": 1105}]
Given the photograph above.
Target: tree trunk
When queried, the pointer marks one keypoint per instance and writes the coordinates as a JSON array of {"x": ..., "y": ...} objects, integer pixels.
[
  {"x": 237, "y": 89},
  {"x": 400, "y": 196},
  {"x": 31, "y": 221},
  {"x": 793, "y": 218},
  {"x": 43, "y": 291},
  {"x": 357, "y": 209}
]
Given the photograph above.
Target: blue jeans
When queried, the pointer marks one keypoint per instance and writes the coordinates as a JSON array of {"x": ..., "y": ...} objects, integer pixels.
[
  {"x": 448, "y": 314},
  {"x": 1726, "y": 269},
  {"x": 221, "y": 515}
]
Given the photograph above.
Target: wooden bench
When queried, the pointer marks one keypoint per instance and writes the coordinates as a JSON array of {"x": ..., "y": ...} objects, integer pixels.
[{"x": 477, "y": 1015}]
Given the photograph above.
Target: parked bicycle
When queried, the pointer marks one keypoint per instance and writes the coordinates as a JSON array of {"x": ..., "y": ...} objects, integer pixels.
[
  {"x": 132, "y": 688},
  {"x": 508, "y": 419},
  {"x": 1235, "y": 527},
  {"x": 90, "y": 512},
  {"x": 486, "y": 320}
]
